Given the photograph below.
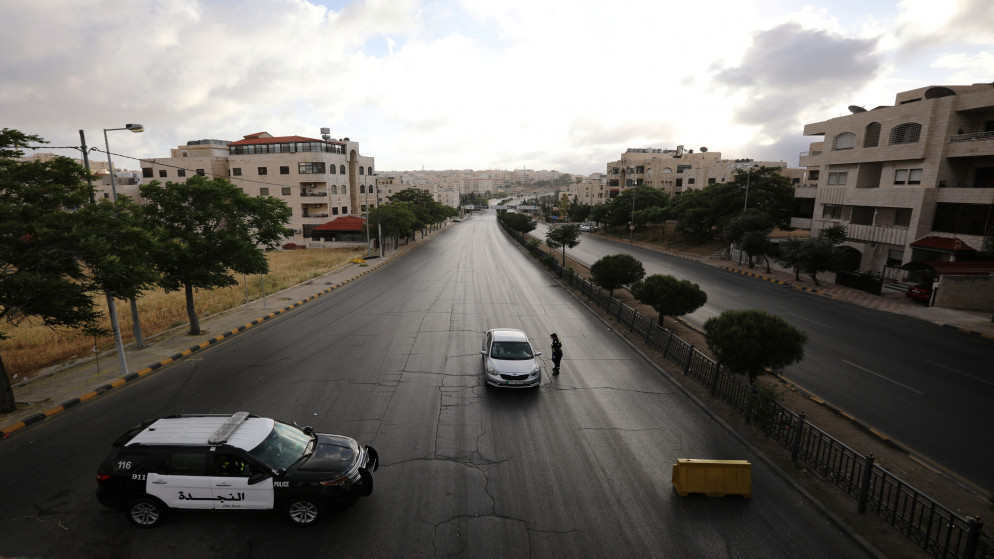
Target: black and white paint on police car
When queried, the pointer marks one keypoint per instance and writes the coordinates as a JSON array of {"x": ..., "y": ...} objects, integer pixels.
[{"x": 210, "y": 492}]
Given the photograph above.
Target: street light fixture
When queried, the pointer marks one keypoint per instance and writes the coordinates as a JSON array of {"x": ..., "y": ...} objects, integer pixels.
[{"x": 111, "y": 304}]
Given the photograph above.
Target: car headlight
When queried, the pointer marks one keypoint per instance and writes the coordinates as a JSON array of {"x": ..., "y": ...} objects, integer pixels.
[{"x": 536, "y": 370}]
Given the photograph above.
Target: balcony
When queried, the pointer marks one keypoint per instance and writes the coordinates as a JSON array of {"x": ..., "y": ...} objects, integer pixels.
[
  {"x": 977, "y": 144},
  {"x": 971, "y": 137},
  {"x": 809, "y": 158},
  {"x": 879, "y": 234}
]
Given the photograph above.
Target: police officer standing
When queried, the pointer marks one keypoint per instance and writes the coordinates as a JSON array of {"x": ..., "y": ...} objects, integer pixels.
[{"x": 557, "y": 353}]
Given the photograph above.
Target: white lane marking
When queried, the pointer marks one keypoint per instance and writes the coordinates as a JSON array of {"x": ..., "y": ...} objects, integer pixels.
[
  {"x": 967, "y": 375},
  {"x": 822, "y": 324},
  {"x": 883, "y": 377}
]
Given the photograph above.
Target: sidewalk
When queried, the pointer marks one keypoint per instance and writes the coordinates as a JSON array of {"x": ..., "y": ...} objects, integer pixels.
[
  {"x": 71, "y": 385},
  {"x": 971, "y": 322}
]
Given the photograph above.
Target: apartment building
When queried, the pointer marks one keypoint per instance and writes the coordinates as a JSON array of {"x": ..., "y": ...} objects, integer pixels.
[
  {"x": 677, "y": 170},
  {"x": 912, "y": 182},
  {"x": 320, "y": 179}
]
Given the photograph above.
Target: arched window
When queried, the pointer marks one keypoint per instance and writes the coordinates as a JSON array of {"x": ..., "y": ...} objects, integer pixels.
[
  {"x": 872, "y": 137},
  {"x": 362, "y": 170},
  {"x": 845, "y": 140},
  {"x": 907, "y": 133},
  {"x": 334, "y": 187},
  {"x": 332, "y": 169},
  {"x": 362, "y": 189},
  {"x": 341, "y": 169},
  {"x": 369, "y": 170}
]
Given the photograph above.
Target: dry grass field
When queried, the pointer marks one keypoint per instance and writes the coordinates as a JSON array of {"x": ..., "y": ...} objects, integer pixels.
[{"x": 32, "y": 347}]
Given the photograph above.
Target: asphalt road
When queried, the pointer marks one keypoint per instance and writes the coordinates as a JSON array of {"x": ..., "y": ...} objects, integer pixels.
[
  {"x": 927, "y": 387},
  {"x": 577, "y": 468}
]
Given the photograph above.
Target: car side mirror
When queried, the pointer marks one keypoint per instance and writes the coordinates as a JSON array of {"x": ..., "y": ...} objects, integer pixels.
[
  {"x": 538, "y": 353},
  {"x": 309, "y": 430},
  {"x": 483, "y": 351}
]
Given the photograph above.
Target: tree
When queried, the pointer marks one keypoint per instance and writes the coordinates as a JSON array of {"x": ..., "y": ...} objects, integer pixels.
[
  {"x": 42, "y": 274},
  {"x": 836, "y": 233},
  {"x": 616, "y": 270},
  {"x": 755, "y": 224},
  {"x": 769, "y": 192},
  {"x": 810, "y": 256},
  {"x": 669, "y": 296},
  {"x": 645, "y": 197},
  {"x": 563, "y": 236},
  {"x": 396, "y": 219},
  {"x": 520, "y": 223},
  {"x": 755, "y": 243},
  {"x": 206, "y": 230},
  {"x": 564, "y": 206},
  {"x": 750, "y": 341}
]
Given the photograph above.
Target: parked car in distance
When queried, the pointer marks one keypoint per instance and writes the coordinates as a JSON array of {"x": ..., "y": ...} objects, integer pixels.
[
  {"x": 921, "y": 292},
  {"x": 509, "y": 360},
  {"x": 588, "y": 227},
  {"x": 232, "y": 462}
]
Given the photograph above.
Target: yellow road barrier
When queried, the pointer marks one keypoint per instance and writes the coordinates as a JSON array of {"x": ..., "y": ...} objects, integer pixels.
[{"x": 714, "y": 478}]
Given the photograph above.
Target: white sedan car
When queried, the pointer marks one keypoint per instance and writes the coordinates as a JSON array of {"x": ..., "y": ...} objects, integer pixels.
[{"x": 508, "y": 359}]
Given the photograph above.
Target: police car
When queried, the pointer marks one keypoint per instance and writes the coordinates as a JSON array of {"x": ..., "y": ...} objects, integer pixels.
[{"x": 232, "y": 462}]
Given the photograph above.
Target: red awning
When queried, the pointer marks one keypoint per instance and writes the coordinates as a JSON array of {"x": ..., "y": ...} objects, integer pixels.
[
  {"x": 945, "y": 244},
  {"x": 344, "y": 223}
]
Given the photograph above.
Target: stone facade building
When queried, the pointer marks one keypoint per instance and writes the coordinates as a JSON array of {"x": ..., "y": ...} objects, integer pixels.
[
  {"x": 912, "y": 182},
  {"x": 318, "y": 179}
]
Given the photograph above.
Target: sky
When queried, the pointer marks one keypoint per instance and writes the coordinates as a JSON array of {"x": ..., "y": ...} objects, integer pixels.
[{"x": 567, "y": 85}]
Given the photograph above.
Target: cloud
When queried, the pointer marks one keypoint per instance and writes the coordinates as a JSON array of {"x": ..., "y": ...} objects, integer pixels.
[{"x": 788, "y": 70}]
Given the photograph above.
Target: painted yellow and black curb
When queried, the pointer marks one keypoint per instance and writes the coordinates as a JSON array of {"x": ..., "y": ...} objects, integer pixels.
[{"x": 103, "y": 389}]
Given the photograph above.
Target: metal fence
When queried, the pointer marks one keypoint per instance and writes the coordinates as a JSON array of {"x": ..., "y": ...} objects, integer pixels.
[{"x": 924, "y": 521}]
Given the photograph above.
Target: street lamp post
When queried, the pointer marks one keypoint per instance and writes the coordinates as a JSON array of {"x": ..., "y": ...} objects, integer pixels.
[
  {"x": 379, "y": 223},
  {"x": 112, "y": 307},
  {"x": 631, "y": 226}
]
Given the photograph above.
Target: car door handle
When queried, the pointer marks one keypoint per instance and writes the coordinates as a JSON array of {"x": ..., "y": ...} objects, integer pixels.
[
  {"x": 223, "y": 484},
  {"x": 160, "y": 482}
]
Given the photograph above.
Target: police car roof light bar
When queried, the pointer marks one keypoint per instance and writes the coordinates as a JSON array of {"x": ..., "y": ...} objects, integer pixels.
[{"x": 227, "y": 428}]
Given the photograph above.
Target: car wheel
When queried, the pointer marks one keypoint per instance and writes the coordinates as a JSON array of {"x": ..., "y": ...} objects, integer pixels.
[
  {"x": 146, "y": 512},
  {"x": 304, "y": 511}
]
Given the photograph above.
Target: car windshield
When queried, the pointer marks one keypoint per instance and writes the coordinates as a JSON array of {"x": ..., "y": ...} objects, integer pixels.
[
  {"x": 511, "y": 350},
  {"x": 283, "y": 446}
]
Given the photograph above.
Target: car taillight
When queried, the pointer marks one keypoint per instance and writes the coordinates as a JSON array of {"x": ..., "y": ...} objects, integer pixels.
[{"x": 102, "y": 477}]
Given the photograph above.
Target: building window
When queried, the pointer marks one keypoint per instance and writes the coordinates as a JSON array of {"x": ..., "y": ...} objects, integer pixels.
[
  {"x": 237, "y": 171},
  {"x": 362, "y": 208},
  {"x": 285, "y": 190},
  {"x": 345, "y": 210},
  {"x": 712, "y": 180},
  {"x": 262, "y": 171},
  {"x": 813, "y": 175},
  {"x": 902, "y": 217},
  {"x": 333, "y": 170},
  {"x": 341, "y": 169},
  {"x": 965, "y": 219},
  {"x": 284, "y": 169},
  {"x": 369, "y": 170},
  {"x": 690, "y": 180},
  {"x": 872, "y": 136},
  {"x": 682, "y": 168},
  {"x": 832, "y": 212},
  {"x": 894, "y": 257},
  {"x": 362, "y": 171},
  {"x": 334, "y": 211},
  {"x": 147, "y": 172},
  {"x": 162, "y": 173},
  {"x": 846, "y": 140},
  {"x": 907, "y": 176},
  {"x": 181, "y": 172},
  {"x": 640, "y": 169},
  {"x": 679, "y": 183},
  {"x": 264, "y": 191},
  {"x": 316, "y": 168},
  {"x": 862, "y": 215},
  {"x": 838, "y": 178},
  {"x": 345, "y": 189},
  {"x": 201, "y": 172},
  {"x": 907, "y": 133}
]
